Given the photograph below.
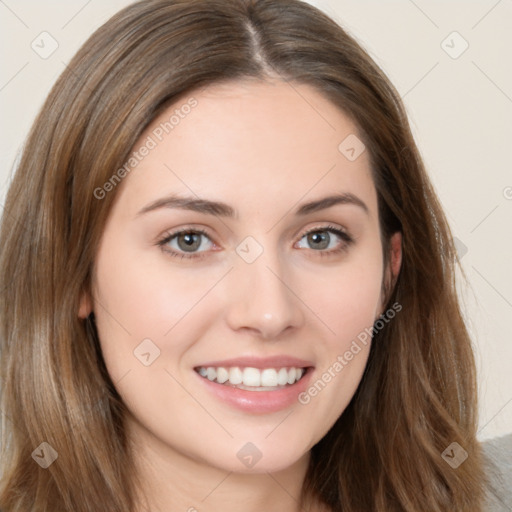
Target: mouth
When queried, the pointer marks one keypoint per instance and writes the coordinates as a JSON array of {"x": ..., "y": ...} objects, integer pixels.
[
  {"x": 256, "y": 385},
  {"x": 253, "y": 379}
]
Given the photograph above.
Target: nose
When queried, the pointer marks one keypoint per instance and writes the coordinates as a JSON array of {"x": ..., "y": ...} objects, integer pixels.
[{"x": 262, "y": 299}]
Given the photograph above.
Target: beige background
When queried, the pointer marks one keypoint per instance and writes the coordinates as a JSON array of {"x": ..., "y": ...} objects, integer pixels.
[{"x": 460, "y": 110}]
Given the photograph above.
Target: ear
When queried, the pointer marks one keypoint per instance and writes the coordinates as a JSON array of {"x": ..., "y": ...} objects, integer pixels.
[
  {"x": 85, "y": 307},
  {"x": 396, "y": 257},
  {"x": 393, "y": 268}
]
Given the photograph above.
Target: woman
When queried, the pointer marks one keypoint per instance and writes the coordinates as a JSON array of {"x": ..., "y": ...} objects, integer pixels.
[{"x": 228, "y": 280}]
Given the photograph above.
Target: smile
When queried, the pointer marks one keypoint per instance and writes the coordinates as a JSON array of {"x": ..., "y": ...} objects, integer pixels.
[
  {"x": 256, "y": 385},
  {"x": 252, "y": 379}
]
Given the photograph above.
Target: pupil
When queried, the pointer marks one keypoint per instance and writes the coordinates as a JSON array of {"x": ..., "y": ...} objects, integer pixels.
[
  {"x": 191, "y": 241},
  {"x": 319, "y": 238}
]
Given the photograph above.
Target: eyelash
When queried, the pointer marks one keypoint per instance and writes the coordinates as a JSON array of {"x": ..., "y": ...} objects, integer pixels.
[{"x": 347, "y": 239}]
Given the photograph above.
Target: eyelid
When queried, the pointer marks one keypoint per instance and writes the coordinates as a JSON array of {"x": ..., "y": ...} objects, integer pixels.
[
  {"x": 163, "y": 240},
  {"x": 339, "y": 231},
  {"x": 326, "y": 227}
]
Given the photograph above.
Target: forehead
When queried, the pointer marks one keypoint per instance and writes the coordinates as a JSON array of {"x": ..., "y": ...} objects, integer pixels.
[{"x": 249, "y": 143}]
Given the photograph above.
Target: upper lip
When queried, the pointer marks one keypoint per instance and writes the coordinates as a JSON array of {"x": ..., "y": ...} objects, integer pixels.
[{"x": 279, "y": 361}]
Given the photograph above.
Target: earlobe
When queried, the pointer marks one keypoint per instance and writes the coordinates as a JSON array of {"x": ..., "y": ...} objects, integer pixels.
[
  {"x": 85, "y": 307},
  {"x": 393, "y": 268},
  {"x": 396, "y": 256}
]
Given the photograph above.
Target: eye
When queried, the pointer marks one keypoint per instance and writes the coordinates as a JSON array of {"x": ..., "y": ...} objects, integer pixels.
[
  {"x": 186, "y": 243},
  {"x": 321, "y": 238},
  {"x": 195, "y": 243}
]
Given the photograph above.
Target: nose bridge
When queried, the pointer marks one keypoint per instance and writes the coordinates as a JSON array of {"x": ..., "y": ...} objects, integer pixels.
[{"x": 261, "y": 296}]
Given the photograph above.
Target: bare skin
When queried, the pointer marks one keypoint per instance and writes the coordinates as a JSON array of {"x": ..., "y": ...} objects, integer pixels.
[{"x": 265, "y": 149}]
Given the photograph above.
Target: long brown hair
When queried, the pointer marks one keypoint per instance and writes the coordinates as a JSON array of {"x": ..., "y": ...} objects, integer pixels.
[{"x": 417, "y": 395}]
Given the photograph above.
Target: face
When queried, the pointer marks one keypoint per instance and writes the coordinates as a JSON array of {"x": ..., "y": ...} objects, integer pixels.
[{"x": 228, "y": 292}]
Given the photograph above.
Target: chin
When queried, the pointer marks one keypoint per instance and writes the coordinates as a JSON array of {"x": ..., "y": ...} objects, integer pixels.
[{"x": 258, "y": 457}]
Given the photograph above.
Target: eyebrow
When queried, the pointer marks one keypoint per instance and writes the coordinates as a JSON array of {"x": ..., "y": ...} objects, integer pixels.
[{"x": 221, "y": 209}]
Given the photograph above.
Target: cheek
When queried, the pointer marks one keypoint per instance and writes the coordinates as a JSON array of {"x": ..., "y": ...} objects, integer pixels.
[
  {"x": 138, "y": 297},
  {"x": 147, "y": 298},
  {"x": 346, "y": 303},
  {"x": 346, "y": 300}
]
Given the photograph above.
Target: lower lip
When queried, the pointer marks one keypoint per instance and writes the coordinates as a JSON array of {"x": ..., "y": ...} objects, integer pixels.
[{"x": 258, "y": 401}]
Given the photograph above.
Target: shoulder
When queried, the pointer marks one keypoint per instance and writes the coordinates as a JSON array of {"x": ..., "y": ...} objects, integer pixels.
[{"x": 498, "y": 465}]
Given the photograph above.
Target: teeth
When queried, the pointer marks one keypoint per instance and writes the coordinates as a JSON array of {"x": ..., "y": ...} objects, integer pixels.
[
  {"x": 211, "y": 373},
  {"x": 235, "y": 376},
  {"x": 269, "y": 377},
  {"x": 222, "y": 375},
  {"x": 252, "y": 377},
  {"x": 282, "y": 377}
]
